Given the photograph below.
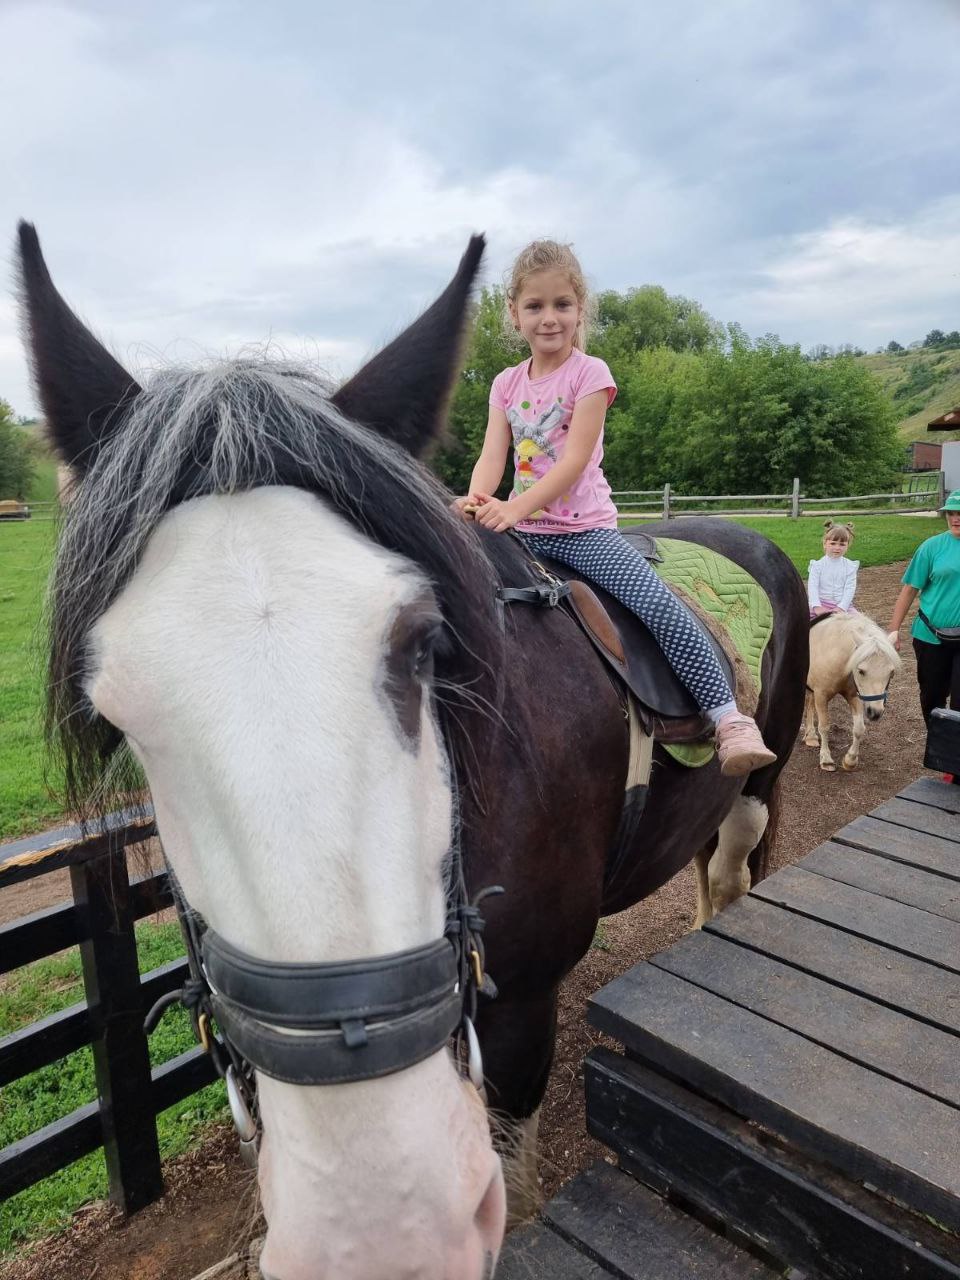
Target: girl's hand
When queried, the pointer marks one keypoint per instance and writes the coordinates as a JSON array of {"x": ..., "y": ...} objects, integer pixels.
[
  {"x": 894, "y": 638},
  {"x": 466, "y": 507},
  {"x": 495, "y": 515},
  {"x": 818, "y": 609}
]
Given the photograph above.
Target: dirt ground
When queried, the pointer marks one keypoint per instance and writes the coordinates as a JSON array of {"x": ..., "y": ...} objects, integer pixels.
[{"x": 208, "y": 1211}]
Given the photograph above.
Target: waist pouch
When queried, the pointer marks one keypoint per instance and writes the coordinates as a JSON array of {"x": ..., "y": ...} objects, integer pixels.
[{"x": 946, "y": 635}]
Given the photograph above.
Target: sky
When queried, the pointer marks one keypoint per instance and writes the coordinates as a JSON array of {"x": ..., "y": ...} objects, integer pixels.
[{"x": 207, "y": 177}]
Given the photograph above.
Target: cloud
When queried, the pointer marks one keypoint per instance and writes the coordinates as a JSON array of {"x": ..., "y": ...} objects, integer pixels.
[{"x": 864, "y": 282}]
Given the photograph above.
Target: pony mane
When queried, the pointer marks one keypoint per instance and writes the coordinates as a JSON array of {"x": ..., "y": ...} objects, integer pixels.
[
  {"x": 871, "y": 640},
  {"x": 235, "y": 426}
]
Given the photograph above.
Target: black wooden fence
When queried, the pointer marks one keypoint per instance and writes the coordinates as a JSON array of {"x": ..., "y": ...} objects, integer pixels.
[{"x": 100, "y": 920}]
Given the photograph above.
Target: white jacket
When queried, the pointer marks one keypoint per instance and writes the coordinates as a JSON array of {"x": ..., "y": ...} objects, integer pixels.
[{"x": 832, "y": 580}]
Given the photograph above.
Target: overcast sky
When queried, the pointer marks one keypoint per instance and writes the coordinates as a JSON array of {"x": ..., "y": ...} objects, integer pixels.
[{"x": 206, "y": 174}]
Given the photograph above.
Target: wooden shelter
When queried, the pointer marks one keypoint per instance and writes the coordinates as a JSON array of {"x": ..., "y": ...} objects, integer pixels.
[{"x": 949, "y": 421}]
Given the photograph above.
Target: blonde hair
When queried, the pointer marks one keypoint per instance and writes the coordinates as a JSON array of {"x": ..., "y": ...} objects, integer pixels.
[
  {"x": 839, "y": 532},
  {"x": 549, "y": 255}
]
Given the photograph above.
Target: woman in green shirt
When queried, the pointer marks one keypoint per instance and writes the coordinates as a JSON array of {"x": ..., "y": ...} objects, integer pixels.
[{"x": 934, "y": 575}]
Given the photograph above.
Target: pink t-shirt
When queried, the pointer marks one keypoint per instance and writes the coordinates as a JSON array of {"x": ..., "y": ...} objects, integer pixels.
[{"x": 539, "y": 412}]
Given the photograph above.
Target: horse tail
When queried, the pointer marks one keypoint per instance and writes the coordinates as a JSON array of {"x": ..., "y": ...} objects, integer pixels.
[{"x": 759, "y": 860}]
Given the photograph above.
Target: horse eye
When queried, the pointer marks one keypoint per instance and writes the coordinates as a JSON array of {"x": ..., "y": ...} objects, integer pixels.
[
  {"x": 428, "y": 645},
  {"x": 861, "y": 671}
]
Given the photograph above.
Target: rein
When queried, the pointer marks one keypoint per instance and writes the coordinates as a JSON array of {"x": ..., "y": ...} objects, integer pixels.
[{"x": 333, "y": 1022}]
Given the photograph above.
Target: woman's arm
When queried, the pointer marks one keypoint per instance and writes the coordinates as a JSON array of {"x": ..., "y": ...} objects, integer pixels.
[
  {"x": 900, "y": 610},
  {"x": 585, "y": 427}
]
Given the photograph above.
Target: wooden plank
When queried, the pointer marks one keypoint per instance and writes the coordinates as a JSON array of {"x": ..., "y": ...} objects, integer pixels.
[
  {"x": 897, "y": 926},
  {"x": 637, "y": 1235},
  {"x": 919, "y": 817},
  {"x": 121, "y": 1059},
  {"x": 922, "y": 990},
  {"x": 902, "y": 845},
  {"x": 871, "y": 1128},
  {"x": 919, "y": 1056},
  {"x": 923, "y": 889},
  {"x": 793, "y": 1208},
  {"x": 50, "y": 1038},
  {"x": 933, "y": 792},
  {"x": 180, "y": 1077},
  {"x": 58, "y": 1144},
  {"x": 536, "y": 1252},
  {"x": 36, "y": 855}
]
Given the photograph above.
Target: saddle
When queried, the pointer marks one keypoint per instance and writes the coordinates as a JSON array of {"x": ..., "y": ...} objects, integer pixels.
[{"x": 665, "y": 708}]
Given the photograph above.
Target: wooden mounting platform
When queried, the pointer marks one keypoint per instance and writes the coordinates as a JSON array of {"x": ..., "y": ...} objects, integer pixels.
[{"x": 825, "y": 1008}]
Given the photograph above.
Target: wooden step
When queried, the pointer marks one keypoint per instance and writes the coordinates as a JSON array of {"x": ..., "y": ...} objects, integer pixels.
[
  {"x": 792, "y": 1207},
  {"x": 826, "y": 1007},
  {"x": 604, "y": 1223}
]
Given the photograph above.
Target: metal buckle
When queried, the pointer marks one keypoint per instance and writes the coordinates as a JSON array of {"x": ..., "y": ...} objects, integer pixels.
[{"x": 203, "y": 1032}]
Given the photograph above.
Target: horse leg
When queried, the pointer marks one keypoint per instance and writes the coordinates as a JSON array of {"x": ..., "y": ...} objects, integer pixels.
[
  {"x": 728, "y": 871},
  {"x": 701, "y": 861},
  {"x": 821, "y": 702},
  {"x": 517, "y": 1040},
  {"x": 810, "y": 738},
  {"x": 852, "y": 759}
]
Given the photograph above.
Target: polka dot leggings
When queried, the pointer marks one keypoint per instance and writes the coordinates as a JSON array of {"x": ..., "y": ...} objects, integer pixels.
[{"x": 604, "y": 556}]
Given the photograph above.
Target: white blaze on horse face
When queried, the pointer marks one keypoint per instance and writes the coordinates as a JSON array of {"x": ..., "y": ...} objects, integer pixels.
[{"x": 246, "y": 663}]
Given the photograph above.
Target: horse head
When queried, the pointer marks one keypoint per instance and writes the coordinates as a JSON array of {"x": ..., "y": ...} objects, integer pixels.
[
  {"x": 873, "y": 664},
  {"x": 254, "y": 599}
]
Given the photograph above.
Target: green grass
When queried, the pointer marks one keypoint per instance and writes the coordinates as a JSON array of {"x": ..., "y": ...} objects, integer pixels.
[
  {"x": 898, "y": 372},
  {"x": 46, "y": 1095},
  {"x": 44, "y": 486},
  {"x": 26, "y": 549},
  {"x": 879, "y": 539}
]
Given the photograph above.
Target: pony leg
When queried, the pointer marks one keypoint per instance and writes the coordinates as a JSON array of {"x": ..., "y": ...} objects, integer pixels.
[
  {"x": 701, "y": 861},
  {"x": 821, "y": 702},
  {"x": 810, "y": 738},
  {"x": 852, "y": 759},
  {"x": 728, "y": 872}
]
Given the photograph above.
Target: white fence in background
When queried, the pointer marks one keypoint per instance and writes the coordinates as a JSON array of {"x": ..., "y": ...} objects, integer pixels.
[{"x": 661, "y": 504}]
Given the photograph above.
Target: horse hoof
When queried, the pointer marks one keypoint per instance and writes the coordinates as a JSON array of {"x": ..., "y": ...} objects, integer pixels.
[
  {"x": 828, "y": 768},
  {"x": 810, "y": 742},
  {"x": 849, "y": 768}
]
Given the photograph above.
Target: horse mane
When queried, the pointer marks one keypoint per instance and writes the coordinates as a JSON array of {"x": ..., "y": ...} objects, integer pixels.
[
  {"x": 235, "y": 426},
  {"x": 869, "y": 640}
]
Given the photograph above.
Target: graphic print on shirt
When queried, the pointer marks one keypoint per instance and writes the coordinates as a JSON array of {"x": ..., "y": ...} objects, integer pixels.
[{"x": 534, "y": 453}]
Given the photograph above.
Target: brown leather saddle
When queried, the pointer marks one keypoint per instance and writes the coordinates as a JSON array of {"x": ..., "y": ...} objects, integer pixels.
[{"x": 629, "y": 649}]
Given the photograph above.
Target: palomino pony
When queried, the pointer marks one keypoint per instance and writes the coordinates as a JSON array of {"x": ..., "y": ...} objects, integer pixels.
[
  {"x": 262, "y": 597},
  {"x": 850, "y": 656}
]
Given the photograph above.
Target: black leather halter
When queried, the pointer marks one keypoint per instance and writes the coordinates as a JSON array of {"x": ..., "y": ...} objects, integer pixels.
[{"x": 333, "y": 1023}]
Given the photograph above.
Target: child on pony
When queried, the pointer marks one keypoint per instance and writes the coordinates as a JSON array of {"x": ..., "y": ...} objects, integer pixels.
[
  {"x": 550, "y": 409},
  {"x": 832, "y": 580}
]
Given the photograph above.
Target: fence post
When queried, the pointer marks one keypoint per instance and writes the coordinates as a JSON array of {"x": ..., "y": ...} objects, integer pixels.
[
  {"x": 666, "y": 502},
  {"x": 111, "y": 977},
  {"x": 941, "y": 489},
  {"x": 795, "y": 499}
]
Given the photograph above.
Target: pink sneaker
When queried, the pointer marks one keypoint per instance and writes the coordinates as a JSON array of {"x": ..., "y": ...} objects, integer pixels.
[{"x": 740, "y": 746}]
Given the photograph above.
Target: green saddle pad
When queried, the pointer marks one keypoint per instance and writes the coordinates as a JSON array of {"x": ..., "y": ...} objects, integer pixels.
[{"x": 727, "y": 593}]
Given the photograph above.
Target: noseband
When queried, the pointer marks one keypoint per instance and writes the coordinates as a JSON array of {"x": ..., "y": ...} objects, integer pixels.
[{"x": 332, "y": 1023}]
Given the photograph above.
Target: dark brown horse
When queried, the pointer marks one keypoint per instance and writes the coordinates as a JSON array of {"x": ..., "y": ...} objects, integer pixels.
[{"x": 261, "y": 596}]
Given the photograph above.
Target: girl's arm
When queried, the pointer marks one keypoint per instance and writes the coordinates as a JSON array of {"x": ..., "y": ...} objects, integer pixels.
[
  {"x": 813, "y": 585},
  {"x": 585, "y": 427},
  {"x": 489, "y": 467},
  {"x": 849, "y": 588},
  {"x": 900, "y": 610}
]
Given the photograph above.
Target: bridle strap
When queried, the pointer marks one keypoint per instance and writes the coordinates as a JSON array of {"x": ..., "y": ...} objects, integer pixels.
[
  {"x": 320, "y": 996},
  {"x": 349, "y": 1052}
]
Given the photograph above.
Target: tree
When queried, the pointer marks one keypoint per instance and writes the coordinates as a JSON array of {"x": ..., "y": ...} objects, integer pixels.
[
  {"x": 894, "y": 348},
  {"x": 649, "y": 317},
  {"x": 16, "y": 456},
  {"x": 934, "y": 338}
]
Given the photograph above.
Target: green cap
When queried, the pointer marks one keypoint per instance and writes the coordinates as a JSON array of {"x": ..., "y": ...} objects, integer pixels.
[{"x": 953, "y": 502}]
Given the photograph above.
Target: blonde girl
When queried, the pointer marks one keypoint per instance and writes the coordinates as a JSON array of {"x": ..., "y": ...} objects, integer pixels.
[
  {"x": 832, "y": 580},
  {"x": 550, "y": 409}
]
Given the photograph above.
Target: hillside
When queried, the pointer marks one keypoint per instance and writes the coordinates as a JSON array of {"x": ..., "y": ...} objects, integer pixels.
[{"x": 923, "y": 385}]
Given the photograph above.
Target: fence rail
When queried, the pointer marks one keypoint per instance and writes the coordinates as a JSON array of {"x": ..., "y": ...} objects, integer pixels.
[
  {"x": 100, "y": 919},
  {"x": 662, "y": 504}
]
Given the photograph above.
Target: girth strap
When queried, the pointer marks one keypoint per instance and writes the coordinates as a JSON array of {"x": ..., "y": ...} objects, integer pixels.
[{"x": 546, "y": 596}]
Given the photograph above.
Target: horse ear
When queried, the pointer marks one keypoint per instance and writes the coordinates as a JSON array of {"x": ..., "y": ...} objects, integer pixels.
[
  {"x": 402, "y": 393},
  {"x": 81, "y": 386}
]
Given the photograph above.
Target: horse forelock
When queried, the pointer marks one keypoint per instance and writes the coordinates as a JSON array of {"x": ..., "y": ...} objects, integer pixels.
[
  {"x": 235, "y": 426},
  {"x": 874, "y": 644}
]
